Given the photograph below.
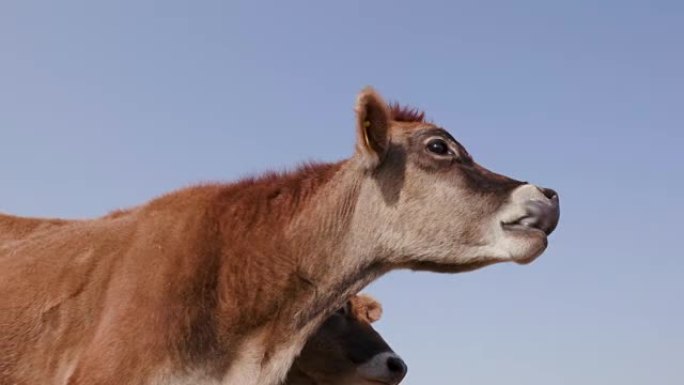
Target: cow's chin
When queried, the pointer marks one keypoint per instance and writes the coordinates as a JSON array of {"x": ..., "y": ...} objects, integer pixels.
[
  {"x": 502, "y": 244},
  {"x": 499, "y": 244},
  {"x": 520, "y": 244},
  {"x": 369, "y": 381},
  {"x": 358, "y": 380}
]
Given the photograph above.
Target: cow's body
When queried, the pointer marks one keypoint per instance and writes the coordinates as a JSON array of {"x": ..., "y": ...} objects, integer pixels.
[
  {"x": 147, "y": 275},
  {"x": 224, "y": 283}
]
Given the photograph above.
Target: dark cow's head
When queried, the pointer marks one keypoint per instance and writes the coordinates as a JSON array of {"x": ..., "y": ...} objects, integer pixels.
[{"x": 346, "y": 350}]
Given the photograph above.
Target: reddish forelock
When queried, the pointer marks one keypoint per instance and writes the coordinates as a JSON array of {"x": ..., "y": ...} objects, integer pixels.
[{"x": 400, "y": 113}]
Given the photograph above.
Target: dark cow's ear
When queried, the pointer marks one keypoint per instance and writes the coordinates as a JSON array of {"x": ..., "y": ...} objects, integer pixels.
[
  {"x": 372, "y": 128},
  {"x": 374, "y": 311},
  {"x": 366, "y": 308}
]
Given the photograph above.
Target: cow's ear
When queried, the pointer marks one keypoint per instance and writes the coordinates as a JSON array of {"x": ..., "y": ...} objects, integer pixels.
[
  {"x": 372, "y": 128},
  {"x": 374, "y": 311},
  {"x": 366, "y": 308}
]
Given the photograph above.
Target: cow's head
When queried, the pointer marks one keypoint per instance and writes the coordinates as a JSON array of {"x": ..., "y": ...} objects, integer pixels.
[
  {"x": 425, "y": 203},
  {"x": 346, "y": 350}
]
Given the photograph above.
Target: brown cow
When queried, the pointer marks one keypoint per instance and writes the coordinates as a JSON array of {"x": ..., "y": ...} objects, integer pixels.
[
  {"x": 224, "y": 283},
  {"x": 346, "y": 350}
]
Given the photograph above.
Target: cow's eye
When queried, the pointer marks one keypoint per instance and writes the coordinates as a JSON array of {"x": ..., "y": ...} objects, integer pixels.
[{"x": 438, "y": 146}]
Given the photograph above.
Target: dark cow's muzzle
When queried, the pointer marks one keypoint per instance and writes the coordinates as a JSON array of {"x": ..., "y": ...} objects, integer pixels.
[{"x": 386, "y": 368}]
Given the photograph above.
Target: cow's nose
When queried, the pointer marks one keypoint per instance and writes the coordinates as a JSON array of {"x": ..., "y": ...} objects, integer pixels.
[
  {"x": 543, "y": 214},
  {"x": 397, "y": 368},
  {"x": 549, "y": 193}
]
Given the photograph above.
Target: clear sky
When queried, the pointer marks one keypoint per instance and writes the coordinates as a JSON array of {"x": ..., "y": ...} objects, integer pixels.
[{"x": 105, "y": 106}]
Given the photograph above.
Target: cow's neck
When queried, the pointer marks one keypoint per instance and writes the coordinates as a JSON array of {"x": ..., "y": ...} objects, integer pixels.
[{"x": 288, "y": 278}]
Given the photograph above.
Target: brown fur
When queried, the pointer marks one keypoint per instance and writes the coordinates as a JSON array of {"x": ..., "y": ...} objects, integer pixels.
[{"x": 174, "y": 267}]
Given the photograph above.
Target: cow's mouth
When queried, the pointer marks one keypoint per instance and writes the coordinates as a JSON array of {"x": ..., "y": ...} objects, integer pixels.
[
  {"x": 535, "y": 237},
  {"x": 527, "y": 225}
]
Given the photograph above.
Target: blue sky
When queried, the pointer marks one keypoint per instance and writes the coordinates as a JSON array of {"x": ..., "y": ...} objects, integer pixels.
[{"x": 104, "y": 106}]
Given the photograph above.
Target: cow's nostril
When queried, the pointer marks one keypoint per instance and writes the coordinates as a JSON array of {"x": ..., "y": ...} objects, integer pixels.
[
  {"x": 396, "y": 366},
  {"x": 549, "y": 193}
]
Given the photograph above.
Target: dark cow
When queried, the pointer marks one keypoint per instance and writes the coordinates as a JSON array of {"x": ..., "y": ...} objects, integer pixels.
[{"x": 346, "y": 350}]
